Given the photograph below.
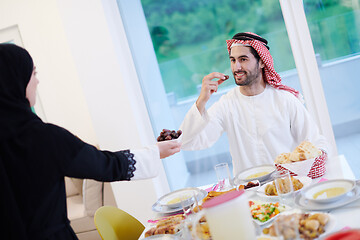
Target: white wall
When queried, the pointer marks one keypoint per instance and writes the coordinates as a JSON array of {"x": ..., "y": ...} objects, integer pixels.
[
  {"x": 43, "y": 36},
  {"x": 104, "y": 75},
  {"x": 81, "y": 86}
]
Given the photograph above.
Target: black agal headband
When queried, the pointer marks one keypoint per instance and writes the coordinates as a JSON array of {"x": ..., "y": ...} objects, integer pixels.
[{"x": 248, "y": 36}]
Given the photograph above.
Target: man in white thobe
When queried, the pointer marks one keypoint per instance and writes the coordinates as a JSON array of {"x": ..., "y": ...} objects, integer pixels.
[{"x": 262, "y": 117}]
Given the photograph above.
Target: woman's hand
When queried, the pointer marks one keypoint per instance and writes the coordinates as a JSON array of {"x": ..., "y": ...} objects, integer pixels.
[{"x": 168, "y": 148}]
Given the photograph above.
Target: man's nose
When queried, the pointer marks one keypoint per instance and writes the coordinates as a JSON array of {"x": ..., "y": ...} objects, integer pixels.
[{"x": 238, "y": 65}]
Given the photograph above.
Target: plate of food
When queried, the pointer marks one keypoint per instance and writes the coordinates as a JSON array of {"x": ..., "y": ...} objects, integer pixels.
[
  {"x": 311, "y": 225},
  {"x": 329, "y": 191},
  {"x": 269, "y": 190},
  {"x": 265, "y": 212},
  {"x": 260, "y": 173},
  {"x": 166, "y": 228},
  {"x": 174, "y": 201},
  {"x": 252, "y": 185},
  {"x": 169, "y": 135}
]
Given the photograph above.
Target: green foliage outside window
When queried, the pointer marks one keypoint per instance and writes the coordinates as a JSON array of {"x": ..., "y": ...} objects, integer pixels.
[{"x": 189, "y": 36}]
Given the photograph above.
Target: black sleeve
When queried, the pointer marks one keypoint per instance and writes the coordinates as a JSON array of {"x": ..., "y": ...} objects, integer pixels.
[
  {"x": 72, "y": 157},
  {"x": 102, "y": 165}
]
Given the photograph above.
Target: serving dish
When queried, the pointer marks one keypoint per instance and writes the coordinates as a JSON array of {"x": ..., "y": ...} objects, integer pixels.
[
  {"x": 329, "y": 191},
  {"x": 306, "y": 181},
  {"x": 260, "y": 209},
  {"x": 260, "y": 173},
  {"x": 327, "y": 229}
]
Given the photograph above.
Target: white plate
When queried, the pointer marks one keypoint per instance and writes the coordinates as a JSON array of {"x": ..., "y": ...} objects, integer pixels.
[
  {"x": 244, "y": 175},
  {"x": 174, "y": 199},
  {"x": 162, "y": 206},
  {"x": 305, "y": 204},
  {"x": 346, "y": 185},
  {"x": 306, "y": 181}
]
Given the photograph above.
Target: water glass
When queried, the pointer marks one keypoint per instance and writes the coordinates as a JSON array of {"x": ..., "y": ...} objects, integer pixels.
[
  {"x": 285, "y": 188},
  {"x": 224, "y": 176}
]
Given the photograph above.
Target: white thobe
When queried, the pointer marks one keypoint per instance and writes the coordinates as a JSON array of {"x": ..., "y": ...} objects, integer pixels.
[
  {"x": 258, "y": 127},
  {"x": 148, "y": 162}
]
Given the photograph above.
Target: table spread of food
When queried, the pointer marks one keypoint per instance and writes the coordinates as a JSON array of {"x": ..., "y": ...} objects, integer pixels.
[{"x": 182, "y": 214}]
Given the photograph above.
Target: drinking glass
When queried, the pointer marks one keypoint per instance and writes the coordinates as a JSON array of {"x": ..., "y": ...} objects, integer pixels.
[
  {"x": 199, "y": 227},
  {"x": 285, "y": 188},
  {"x": 223, "y": 175},
  {"x": 286, "y": 227},
  {"x": 186, "y": 207}
]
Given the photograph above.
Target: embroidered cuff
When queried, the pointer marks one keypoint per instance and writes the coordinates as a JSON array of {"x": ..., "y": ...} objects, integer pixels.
[{"x": 132, "y": 162}]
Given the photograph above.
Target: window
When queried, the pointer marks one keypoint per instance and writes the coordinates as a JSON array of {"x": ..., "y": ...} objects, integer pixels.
[
  {"x": 174, "y": 44},
  {"x": 335, "y": 31}
]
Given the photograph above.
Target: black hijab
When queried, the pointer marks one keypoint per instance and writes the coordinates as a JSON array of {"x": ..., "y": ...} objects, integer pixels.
[{"x": 16, "y": 67}]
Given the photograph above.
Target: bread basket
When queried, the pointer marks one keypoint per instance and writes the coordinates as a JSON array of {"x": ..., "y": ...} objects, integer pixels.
[{"x": 312, "y": 168}]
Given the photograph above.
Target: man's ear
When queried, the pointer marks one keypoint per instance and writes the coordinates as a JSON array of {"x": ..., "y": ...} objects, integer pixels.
[{"x": 261, "y": 63}]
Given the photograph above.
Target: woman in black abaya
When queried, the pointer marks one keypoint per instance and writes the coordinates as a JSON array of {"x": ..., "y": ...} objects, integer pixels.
[{"x": 35, "y": 156}]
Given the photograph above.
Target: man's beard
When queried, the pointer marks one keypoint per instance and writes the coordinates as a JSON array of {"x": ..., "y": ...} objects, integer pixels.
[{"x": 249, "y": 78}]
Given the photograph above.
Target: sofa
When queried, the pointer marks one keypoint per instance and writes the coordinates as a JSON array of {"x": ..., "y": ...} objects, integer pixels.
[{"x": 83, "y": 198}]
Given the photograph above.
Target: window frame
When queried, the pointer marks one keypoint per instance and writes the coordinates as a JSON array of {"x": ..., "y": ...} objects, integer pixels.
[
  {"x": 308, "y": 71},
  {"x": 130, "y": 14}
]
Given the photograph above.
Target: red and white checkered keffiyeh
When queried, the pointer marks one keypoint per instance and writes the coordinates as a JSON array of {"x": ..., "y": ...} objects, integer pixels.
[{"x": 271, "y": 76}]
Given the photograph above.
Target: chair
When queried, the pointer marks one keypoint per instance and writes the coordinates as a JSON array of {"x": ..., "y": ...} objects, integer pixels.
[{"x": 115, "y": 224}]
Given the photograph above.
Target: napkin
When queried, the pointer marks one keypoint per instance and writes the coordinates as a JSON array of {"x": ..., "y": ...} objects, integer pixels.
[
  {"x": 322, "y": 180},
  {"x": 301, "y": 168}
]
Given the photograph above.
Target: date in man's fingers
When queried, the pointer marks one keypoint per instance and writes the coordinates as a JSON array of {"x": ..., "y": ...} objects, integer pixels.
[{"x": 223, "y": 79}]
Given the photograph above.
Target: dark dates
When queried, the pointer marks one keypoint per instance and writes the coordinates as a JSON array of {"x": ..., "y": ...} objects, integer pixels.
[
  {"x": 167, "y": 134},
  {"x": 250, "y": 185}
]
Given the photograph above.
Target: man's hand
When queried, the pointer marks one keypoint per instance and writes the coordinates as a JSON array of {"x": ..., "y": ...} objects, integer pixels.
[
  {"x": 168, "y": 148},
  {"x": 208, "y": 87}
]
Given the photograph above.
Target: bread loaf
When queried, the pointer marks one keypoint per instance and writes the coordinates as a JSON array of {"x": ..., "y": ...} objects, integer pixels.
[
  {"x": 305, "y": 150},
  {"x": 283, "y": 158}
]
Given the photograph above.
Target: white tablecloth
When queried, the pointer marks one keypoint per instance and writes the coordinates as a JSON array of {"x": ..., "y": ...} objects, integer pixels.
[{"x": 347, "y": 216}]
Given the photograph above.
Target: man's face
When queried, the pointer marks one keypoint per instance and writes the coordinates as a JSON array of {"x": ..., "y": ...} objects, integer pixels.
[{"x": 246, "y": 69}]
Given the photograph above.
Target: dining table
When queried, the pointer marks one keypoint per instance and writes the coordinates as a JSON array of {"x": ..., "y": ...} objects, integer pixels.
[{"x": 346, "y": 216}]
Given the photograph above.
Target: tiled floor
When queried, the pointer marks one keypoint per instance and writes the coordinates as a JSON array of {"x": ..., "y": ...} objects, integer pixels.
[{"x": 348, "y": 146}]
